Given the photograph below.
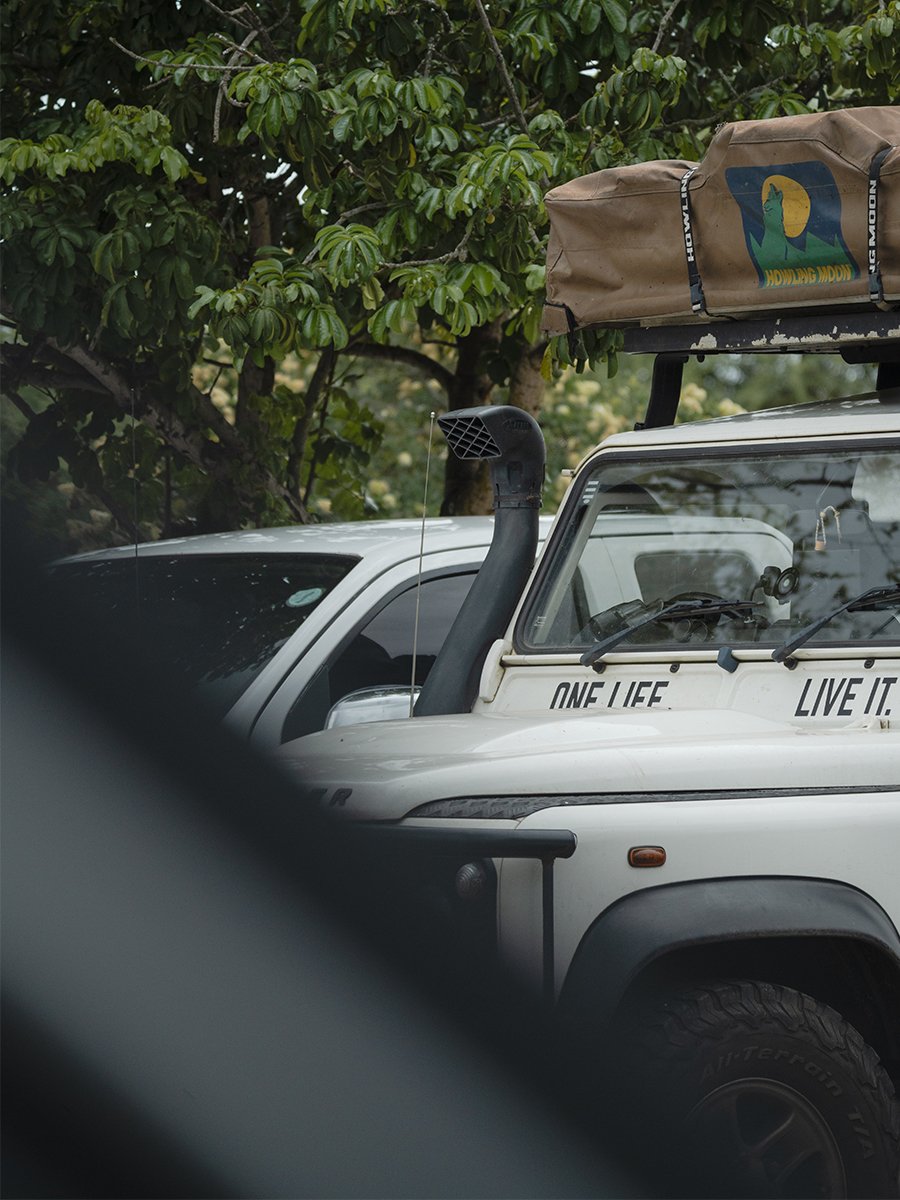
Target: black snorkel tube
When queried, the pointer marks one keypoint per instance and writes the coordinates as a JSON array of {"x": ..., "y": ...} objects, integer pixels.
[{"x": 511, "y": 439}]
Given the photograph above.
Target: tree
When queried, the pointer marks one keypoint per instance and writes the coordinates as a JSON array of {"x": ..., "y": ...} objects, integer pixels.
[{"x": 197, "y": 196}]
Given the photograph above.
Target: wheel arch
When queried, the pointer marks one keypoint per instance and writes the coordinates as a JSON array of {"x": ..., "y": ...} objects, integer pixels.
[{"x": 820, "y": 936}]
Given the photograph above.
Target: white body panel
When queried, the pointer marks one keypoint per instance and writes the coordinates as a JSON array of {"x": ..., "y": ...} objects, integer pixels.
[
  {"x": 386, "y": 770},
  {"x": 826, "y": 691},
  {"x": 852, "y": 839},
  {"x": 836, "y": 829}
]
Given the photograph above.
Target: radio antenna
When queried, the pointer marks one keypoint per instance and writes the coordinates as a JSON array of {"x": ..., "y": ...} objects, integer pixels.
[
  {"x": 134, "y": 498},
  {"x": 412, "y": 680}
]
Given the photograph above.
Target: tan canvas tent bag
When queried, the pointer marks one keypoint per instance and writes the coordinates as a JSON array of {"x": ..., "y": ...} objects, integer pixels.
[{"x": 780, "y": 216}]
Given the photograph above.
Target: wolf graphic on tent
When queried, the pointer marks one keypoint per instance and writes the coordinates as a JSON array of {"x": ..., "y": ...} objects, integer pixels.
[{"x": 792, "y": 224}]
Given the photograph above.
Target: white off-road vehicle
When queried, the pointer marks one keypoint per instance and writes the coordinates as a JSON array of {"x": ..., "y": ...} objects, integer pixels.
[{"x": 662, "y": 776}]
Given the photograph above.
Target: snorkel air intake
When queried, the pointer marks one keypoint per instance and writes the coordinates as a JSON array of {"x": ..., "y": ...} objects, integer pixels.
[{"x": 514, "y": 444}]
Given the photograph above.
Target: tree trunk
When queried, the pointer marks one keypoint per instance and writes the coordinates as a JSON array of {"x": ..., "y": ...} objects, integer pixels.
[
  {"x": 526, "y": 384},
  {"x": 253, "y": 381},
  {"x": 467, "y": 484}
]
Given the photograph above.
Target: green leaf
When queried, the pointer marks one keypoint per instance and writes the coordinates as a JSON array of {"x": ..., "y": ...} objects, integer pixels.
[
  {"x": 273, "y": 117},
  {"x": 120, "y": 314},
  {"x": 372, "y": 293},
  {"x": 174, "y": 163},
  {"x": 616, "y": 13},
  {"x": 184, "y": 283},
  {"x": 102, "y": 258},
  {"x": 204, "y": 296},
  {"x": 342, "y": 126}
]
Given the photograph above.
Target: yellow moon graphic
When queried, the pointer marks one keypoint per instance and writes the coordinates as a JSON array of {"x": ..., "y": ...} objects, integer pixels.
[{"x": 795, "y": 201}]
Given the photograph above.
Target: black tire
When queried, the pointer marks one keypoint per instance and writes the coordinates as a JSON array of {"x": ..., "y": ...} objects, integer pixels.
[{"x": 757, "y": 1090}]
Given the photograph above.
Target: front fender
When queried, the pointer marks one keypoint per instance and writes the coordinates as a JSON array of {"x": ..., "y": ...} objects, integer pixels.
[{"x": 643, "y": 927}]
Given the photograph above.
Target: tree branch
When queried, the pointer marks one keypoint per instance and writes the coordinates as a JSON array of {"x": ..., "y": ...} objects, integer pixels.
[
  {"x": 664, "y": 25},
  {"x": 172, "y": 66},
  {"x": 22, "y": 366},
  {"x": 101, "y": 493},
  {"x": 222, "y": 90},
  {"x": 504, "y": 120},
  {"x": 98, "y": 377},
  {"x": 408, "y": 357},
  {"x": 169, "y": 426},
  {"x": 361, "y": 208},
  {"x": 243, "y": 48},
  {"x": 714, "y": 119},
  {"x": 321, "y": 379},
  {"x": 459, "y": 253},
  {"x": 324, "y": 387},
  {"x": 21, "y": 404},
  {"x": 245, "y": 16},
  {"x": 435, "y": 43},
  {"x": 236, "y": 15},
  {"x": 501, "y": 63},
  {"x": 215, "y": 419},
  {"x": 342, "y": 220}
]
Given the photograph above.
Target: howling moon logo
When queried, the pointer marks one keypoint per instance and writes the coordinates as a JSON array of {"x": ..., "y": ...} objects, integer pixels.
[{"x": 792, "y": 224}]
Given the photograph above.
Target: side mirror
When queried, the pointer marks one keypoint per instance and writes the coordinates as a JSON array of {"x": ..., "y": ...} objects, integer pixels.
[{"x": 387, "y": 703}]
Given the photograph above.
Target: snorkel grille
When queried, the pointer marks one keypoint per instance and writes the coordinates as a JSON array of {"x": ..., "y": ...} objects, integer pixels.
[{"x": 468, "y": 436}]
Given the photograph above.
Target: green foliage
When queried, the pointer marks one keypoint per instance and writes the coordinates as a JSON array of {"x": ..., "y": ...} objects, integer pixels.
[{"x": 200, "y": 208}]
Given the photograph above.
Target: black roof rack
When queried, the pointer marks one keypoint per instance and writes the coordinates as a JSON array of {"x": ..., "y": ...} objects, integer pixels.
[
  {"x": 868, "y": 336},
  {"x": 859, "y": 337}
]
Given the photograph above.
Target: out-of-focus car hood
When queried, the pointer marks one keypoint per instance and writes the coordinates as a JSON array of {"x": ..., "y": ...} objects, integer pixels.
[{"x": 386, "y": 770}]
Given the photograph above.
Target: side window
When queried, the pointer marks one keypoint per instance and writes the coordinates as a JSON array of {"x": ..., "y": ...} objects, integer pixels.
[{"x": 381, "y": 650}]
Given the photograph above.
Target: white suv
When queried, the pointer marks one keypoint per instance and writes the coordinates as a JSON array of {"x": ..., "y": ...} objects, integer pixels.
[{"x": 274, "y": 627}]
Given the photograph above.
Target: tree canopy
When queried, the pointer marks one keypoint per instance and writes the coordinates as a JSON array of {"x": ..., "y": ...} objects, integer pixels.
[{"x": 214, "y": 219}]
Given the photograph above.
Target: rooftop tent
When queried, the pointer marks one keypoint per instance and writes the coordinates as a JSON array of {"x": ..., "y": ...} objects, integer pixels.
[{"x": 792, "y": 214}]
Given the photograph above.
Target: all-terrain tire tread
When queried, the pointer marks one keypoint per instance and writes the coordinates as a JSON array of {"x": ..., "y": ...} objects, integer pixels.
[{"x": 677, "y": 1031}]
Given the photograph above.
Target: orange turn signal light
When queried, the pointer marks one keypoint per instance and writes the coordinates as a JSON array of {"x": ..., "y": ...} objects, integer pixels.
[{"x": 646, "y": 856}]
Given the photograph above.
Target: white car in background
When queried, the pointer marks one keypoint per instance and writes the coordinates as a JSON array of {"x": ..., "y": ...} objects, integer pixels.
[{"x": 272, "y": 627}]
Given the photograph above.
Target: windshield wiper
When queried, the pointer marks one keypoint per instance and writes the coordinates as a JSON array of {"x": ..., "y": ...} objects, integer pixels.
[
  {"x": 697, "y": 607},
  {"x": 873, "y": 599}
]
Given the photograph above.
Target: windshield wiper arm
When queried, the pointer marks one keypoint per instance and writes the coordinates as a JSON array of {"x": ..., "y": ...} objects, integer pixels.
[
  {"x": 873, "y": 598},
  {"x": 680, "y": 608}
]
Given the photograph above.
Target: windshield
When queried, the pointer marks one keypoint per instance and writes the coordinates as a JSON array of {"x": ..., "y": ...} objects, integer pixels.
[
  {"x": 212, "y": 621},
  {"x": 731, "y": 548}
]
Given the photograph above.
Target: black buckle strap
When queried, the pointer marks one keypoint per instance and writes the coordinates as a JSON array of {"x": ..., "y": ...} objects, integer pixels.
[
  {"x": 876, "y": 288},
  {"x": 572, "y": 324},
  {"x": 698, "y": 302}
]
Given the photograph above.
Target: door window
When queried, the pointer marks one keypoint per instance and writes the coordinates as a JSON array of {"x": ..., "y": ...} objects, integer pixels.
[{"x": 380, "y": 653}]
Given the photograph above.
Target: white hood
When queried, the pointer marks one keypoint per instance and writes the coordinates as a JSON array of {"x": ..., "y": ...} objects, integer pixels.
[{"x": 385, "y": 770}]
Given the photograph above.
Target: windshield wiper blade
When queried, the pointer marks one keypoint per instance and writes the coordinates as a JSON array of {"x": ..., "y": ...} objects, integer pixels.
[
  {"x": 678, "y": 608},
  {"x": 873, "y": 599}
]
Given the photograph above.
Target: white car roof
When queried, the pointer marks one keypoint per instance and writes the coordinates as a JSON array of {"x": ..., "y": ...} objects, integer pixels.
[
  {"x": 393, "y": 540},
  {"x": 871, "y": 413}
]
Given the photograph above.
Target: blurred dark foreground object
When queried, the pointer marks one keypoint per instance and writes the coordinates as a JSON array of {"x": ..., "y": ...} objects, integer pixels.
[{"x": 209, "y": 992}]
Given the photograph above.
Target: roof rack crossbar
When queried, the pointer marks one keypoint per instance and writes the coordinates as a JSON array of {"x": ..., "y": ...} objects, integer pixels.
[{"x": 834, "y": 333}]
